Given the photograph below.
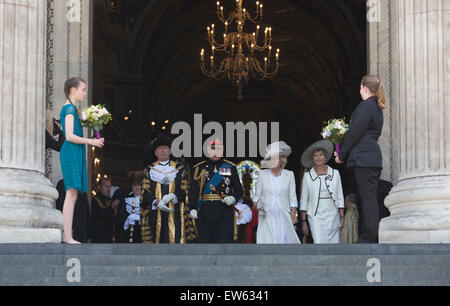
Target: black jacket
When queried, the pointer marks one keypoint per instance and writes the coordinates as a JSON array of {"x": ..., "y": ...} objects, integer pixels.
[
  {"x": 360, "y": 148},
  {"x": 51, "y": 143},
  {"x": 234, "y": 184}
]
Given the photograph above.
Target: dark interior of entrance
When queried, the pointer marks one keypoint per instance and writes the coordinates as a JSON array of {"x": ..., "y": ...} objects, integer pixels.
[{"x": 147, "y": 69}]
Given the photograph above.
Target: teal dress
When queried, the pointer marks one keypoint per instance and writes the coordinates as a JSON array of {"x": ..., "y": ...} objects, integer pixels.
[{"x": 73, "y": 156}]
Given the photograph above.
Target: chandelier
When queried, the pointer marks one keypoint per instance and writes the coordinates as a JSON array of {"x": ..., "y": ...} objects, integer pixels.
[{"x": 239, "y": 49}]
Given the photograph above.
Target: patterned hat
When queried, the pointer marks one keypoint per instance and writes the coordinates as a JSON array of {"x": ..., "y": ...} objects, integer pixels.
[{"x": 276, "y": 149}]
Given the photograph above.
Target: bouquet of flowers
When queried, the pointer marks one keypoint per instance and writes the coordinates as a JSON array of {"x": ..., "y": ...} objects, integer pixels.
[
  {"x": 335, "y": 131},
  {"x": 96, "y": 117}
]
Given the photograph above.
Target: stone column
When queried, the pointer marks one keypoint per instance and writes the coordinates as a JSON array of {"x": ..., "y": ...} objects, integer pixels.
[
  {"x": 420, "y": 203},
  {"x": 27, "y": 198},
  {"x": 382, "y": 61}
]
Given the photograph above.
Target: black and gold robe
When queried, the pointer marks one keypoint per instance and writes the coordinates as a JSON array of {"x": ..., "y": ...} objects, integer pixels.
[
  {"x": 161, "y": 227},
  {"x": 103, "y": 219}
]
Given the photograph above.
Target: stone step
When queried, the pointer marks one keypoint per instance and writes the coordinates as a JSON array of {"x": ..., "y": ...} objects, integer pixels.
[
  {"x": 226, "y": 265},
  {"x": 238, "y": 281},
  {"x": 252, "y": 272},
  {"x": 224, "y": 249},
  {"x": 224, "y": 260}
]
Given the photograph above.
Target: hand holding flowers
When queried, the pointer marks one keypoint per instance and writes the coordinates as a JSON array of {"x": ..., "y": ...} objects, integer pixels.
[
  {"x": 335, "y": 131},
  {"x": 96, "y": 117}
]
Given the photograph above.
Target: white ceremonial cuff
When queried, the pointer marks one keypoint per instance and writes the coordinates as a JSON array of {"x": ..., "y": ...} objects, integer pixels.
[
  {"x": 153, "y": 205},
  {"x": 175, "y": 199}
]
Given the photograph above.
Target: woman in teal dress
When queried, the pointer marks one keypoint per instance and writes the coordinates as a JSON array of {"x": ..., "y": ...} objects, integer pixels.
[{"x": 73, "y": 152}]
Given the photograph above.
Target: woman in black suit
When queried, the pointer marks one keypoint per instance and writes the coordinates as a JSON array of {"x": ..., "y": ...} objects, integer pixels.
[{"x": 362, "y": 153}]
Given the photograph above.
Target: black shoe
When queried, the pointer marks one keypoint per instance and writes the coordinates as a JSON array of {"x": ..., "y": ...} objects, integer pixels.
[{"x": 365, "y": 240}]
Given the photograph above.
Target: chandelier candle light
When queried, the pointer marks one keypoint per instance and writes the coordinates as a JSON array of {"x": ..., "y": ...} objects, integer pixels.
[{"x": 239, "y": 48}]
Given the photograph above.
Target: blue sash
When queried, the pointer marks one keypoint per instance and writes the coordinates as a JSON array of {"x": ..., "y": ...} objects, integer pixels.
[{"x": 215, "y": 180}]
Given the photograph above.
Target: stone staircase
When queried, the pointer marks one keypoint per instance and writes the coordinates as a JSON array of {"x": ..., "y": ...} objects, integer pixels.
[{"x": 223, "y": 265}]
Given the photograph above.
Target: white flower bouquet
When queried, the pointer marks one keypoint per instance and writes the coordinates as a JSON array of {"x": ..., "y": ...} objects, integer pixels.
[
  {"x": 96, "y": 117},
  {"x": 335, "y": 131}
]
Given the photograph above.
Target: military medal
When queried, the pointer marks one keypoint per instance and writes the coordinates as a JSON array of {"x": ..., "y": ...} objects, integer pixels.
[
  {"x": 227, "y": 181},
  {"x": 225, "y": 171}
]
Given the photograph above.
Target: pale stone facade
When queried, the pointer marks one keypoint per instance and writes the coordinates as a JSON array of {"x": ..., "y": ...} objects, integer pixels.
[
  {"x": 420, "y": 203},
  {"x": 408, "y": 48},
  {"x": 26, "y": 196}
]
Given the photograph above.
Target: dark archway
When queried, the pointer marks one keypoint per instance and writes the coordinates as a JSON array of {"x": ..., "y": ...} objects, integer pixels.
[{"x": 146, "y": 59}]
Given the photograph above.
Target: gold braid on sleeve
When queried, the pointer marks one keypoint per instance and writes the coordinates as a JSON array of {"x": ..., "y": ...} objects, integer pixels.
[
  {"x": 145, "y": 213},
  {"x": 200, "y": 177},
  {"x": 188, "y": 227}
]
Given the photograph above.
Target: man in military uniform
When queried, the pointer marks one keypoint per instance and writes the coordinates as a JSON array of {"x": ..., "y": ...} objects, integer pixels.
[
  {"x": 214, "y": 191},
  {"x": 165, "y": 211}
]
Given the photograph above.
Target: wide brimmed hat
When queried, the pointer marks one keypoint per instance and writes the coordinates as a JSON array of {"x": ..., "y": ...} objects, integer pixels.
[
  {"x": 277, "y": 149},
  {"x": 149, "y": 151},
  {"x": 325, "y": 145}
]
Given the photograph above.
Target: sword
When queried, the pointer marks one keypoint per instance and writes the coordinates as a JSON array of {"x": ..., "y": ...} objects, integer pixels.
[{"x": 223, "y": 197}]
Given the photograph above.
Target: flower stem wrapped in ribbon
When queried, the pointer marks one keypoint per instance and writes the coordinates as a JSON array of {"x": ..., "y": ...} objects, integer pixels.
[
  {"x": 96, "y": 117},
  {"x": 335, "y": 131}
]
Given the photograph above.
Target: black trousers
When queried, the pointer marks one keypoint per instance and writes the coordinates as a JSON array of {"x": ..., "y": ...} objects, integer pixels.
[
  {"x": 242, "y": 233},
  {"x": 215, "y": 223},
  {"x": 125, "y": 235},
  {"x": 102, "y": 234},
  {"x": 367, "y": 182}
]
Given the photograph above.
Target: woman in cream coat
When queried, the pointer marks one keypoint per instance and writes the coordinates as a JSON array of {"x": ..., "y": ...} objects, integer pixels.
[
  {"x": 322, "y": 197},
  {"x": 276, "y": 198}
]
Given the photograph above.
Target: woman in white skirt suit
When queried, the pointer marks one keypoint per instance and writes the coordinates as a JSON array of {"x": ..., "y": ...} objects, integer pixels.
[
  {"x": 276, "y": 198},
  {"x": 322, "y": 198}
]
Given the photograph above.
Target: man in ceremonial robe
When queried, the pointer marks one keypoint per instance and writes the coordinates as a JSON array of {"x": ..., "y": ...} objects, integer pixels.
[
  {"x": 129, "y": 221},
  {"x": 164, "y": 202},
  {"x": 104, "y": 212},
  {"x": 215, "y": 189}
]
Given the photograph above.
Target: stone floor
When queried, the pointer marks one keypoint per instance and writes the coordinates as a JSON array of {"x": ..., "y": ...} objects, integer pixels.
[{"x": 225, "y": 265}]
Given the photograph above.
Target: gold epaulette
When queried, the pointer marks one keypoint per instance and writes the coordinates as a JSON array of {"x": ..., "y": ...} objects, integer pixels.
[
  {"x": 233, "y": 164},
  {"x": 200, "y": 163}
]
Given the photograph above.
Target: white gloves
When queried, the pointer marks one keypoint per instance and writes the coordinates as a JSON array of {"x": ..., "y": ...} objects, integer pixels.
[
  {"x": 230, "y": 200},
  {"x": 193, "y": 214},
  {"x": 170, "y": 198},
  {"x": 260, "y": 208},
  {"x": 162, "y": 205},
  {"x": 262, "y": 212},
  {"x": 133, "y": 218}
]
